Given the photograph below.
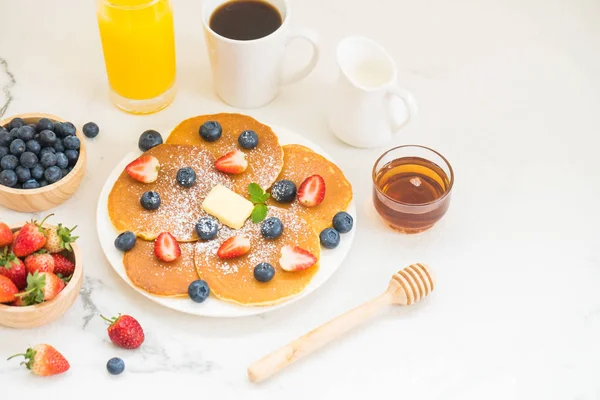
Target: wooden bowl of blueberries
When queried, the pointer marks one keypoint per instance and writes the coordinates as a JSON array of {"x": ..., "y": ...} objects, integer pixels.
[{"x": 42, "y": 161}]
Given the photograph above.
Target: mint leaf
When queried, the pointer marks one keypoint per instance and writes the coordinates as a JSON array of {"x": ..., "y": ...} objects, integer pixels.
[
  {"x": 264, "y": 197},
  {"x": 259, "y": 213},
  {"x": 256, "y": 193}
]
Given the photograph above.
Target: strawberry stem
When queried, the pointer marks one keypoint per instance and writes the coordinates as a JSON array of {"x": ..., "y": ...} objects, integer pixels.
[
  {"x": 110, "y": 321},
  {"x": 16, "y": 355}
]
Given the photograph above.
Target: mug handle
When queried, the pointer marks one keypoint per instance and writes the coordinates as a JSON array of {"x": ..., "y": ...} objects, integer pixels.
[
  {"x": 312, "y": 37},
  {"x": 409, "y": 101}
]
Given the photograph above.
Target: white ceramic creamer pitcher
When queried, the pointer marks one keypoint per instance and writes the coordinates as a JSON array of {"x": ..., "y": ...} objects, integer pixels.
[{"x": 361, "y": 106}]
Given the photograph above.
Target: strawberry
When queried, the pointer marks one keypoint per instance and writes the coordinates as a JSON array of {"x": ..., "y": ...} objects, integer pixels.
[
  {"x": 13, "y": 268},
  {"x": 15, "y": 234},
  {"x": 233, "y": 247},
  {"x": 166, "y": 247},
  {"x": 59, "y": 239},
  {"x": 232, "y": 163},
  {"x": 312, "y": 191},
  {"x": 7, "y": 290},
  {"x": 41, "y": 286},
  {"x": 62, "y": 265},
  {"x": 6, "y": 235},
  {"x": 30, "y": 239},
  {"x": 124, "y": 331},
  {"x": 18, "y": 301},
  {"x": 40, "y": 262},
  {"x": 44, "y": 360},
  {"x": 296, "y": 258},
  {"x": 144, "y": 169}
]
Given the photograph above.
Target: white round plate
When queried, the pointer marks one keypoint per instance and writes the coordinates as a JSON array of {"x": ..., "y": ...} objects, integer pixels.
[{"x": 213, "y": 307}]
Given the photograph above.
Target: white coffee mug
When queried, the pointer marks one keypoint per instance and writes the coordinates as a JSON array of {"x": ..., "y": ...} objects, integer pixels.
[{"x": 248, "y": 73}]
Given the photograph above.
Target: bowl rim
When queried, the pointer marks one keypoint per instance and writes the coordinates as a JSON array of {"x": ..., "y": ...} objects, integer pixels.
[
  {"x": 77, "y": 275},
  {"x": 70, "y": 176}
]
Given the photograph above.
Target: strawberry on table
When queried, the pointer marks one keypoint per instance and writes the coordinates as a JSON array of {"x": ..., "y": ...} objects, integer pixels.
[
  {"x": 44, "y": 360},
  {"x": 296, "y": 258},
  {"x": 144, "y": 169},
  {"x": 234, "y": 162},
  {"x": 13, "y": 268},
  {"x": 31, "y": 238},
  {"x": 312, "y": 191},
  {"x": 41, "y": 286},
  {"x": 124, "y": 331},
  {"x": 6, "y": 235},
  {"x": 59, "y": 239},
  {"x": 7, "y": 290},
  {"x": 62, "y": 265},
  {"x": 166, "y": 247},
  {"x": 40, "y": 262}
]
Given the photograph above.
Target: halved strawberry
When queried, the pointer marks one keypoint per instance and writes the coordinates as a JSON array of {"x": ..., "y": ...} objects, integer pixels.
[
  {"x": 296, "y": 258},
  {"x": 144, "y": 169},
  {"x": 312, "y": 191},
  {"x": 233, "y": 247},
  {"x": 232, "y": 163},
  {"x": 166, "y": 247}
]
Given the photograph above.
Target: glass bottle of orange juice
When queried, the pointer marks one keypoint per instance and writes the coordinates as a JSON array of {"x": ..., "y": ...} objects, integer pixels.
[{"x": 138, "y": 42}]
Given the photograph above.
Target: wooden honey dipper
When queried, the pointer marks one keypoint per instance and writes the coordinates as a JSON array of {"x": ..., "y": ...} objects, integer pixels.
[{"x": 406, "y": 287}]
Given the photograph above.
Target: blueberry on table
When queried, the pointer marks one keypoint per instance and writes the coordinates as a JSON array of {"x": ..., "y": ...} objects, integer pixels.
[
  {"x": 271, "y": 228},
  {"x": 186, "y": 177},
  {"x": 3, "y": 151},
  {"x": 198, "y": 291},
  {"x": 16, "y": 123},
  {"x": 207, "y": 228},
  {"x": 58, "y": 146},
  {"x": 17, "y": 147},
  {"x": 28, "y": 159},
  {"x": 330, "y": 238},
  {"x": 67, "y": 129},
  {"x": 31, "y": 184},
  {"x": 23, "y": 174},
  {"x": 210, "y": 131},
  {"x": 47, "y": 138},
  {"x": 264, "y": 272},
  {"x": 248, "y": 139},
  {"x": 48, "y": 160},
  {"x": 149, "y": 139},
  {"x": 125, "y": 241},
  {"x": 8, "y": 178},
  {"x": 91, "y": 129},
  {"x": 150, "y": 200},
  {"x": 284, "y": 191},
  {"x": 37, "y": 172},
  {"x": 9, "y": 161},
  {"x": 25, "y": 133},
  {"x": 115, "y": 366},
  {"x": 44, "y": 124},
  {"x": 72, "y": 156},
  {"x": 343, "y": 222},
  {"x": 61, "y": 160},
  {"x": 53, "y": 174},
  {"x": 5, "y": 137},
  {"x": 33, "y": 146}
]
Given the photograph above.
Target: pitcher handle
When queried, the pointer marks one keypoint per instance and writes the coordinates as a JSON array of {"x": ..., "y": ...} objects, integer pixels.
[
  {"x": 409, "y": 101},
  {"x": 312, "y": 37}
]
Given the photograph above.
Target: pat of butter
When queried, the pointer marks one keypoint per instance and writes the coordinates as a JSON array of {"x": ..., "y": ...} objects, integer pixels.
[{"x": 227, "y": 206}]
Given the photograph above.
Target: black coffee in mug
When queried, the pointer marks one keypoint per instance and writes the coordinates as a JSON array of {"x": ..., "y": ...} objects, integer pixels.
[{"x": 245, "y": 19}]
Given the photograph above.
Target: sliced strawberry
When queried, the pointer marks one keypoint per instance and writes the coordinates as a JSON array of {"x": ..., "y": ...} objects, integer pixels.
[
  {"x": 166, "y": 247},
  {"x": 232, "y": 163},
  {"x": 144, "y": 169},
  {"x": 296, "y": 258},
  {"x": 312, "y": 191},
  {"x": 233, "y": 247}
]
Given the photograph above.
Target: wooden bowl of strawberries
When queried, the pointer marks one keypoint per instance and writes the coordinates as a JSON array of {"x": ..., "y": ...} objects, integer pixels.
[{"x": 41, "y": 273}]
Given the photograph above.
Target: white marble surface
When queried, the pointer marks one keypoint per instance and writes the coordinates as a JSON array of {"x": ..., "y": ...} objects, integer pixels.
[{"x": 508, "y": 91}]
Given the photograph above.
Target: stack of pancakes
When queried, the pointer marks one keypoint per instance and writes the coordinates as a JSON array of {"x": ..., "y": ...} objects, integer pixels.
[{"x": 230, "y": 280}]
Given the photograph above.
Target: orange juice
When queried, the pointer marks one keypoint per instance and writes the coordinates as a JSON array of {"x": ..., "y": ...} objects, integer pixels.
[{"x": 139, "y": 51}]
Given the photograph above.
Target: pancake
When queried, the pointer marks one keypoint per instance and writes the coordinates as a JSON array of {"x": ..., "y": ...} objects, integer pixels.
[
  {"x": 301, "y": 162},
  {"x": 233, "y": 280},
  {"x": 264, "y": 161},
  {"x": 150, "y": 274},
  {"x": 179, "y": 208}
]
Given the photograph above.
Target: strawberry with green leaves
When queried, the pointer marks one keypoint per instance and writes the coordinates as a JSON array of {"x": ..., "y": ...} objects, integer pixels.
[
  {"x": 44, "y": 360},
  {"x": 31, "y": 238},
  {"x": 59, "y": 238},
  {"x": 125, "y": 331},
  {"x": 13, "y": 268},
  {"x": 39, "y": 262},
  {"x": 41, "y": 286},
  {"x": 6, "y": 235}
]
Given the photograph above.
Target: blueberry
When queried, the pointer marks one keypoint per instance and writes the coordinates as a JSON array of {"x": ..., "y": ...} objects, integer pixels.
[
  {"x": 43, "y": 183},
  {"x": 71, "y": 143},
  {"x": 343, "y": 222},
  {"x": 115, "y": 366},
  {"x": 58, "y": 146},
  {"x": 25, "y": 133},
  {"x": 33, "y": 146},
  {"x": 17, "y": 147},
  {"x": 186, "y": 177},
  {"x": 13, "y": 134},
  {"x": 31, "y": 184},
  {"x": 3, "y": 151},
  {"x": 28, "y": 159},
  {"x": 47, "y": 138},
  {"x": 207, "y": 228},
  {"x": 271, "y": 228},
  {"x": 125, "y": 241},
  {"x": 91, "y": 130},
  {"x": 5, "y": 137},
  {"x": 23, "y": 174},
  {"x": 48, "y": 159},
  {"x": 16, "y": 123},
  {"x": 53, "y": 174},
  {"x": 44, "y": 124},
  {"x": 211, "y": 131},
  {"x": 61, "y": 160},
  {"x": 45, "y": 150},
  {"x": 68, "y": 129},
  {"x": 248, "y": 139},
  {"x": 198, "y": 291},
  {"x": 264, "y": 272},
  {"x": 150, "y": 200},
  {"x": 149, "y": 139},
  {"x": 72, "y": 156},
  {"x": 330, "y": 238},
  {"x": 9, "y": 162},
  {"x": 64, "y": 172},
  {"x": 37, "y": 172},
  {"x": 57, "y": 128},
  {"x": 8, "y": 178},
  {"x": 284, "y": 191}
]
